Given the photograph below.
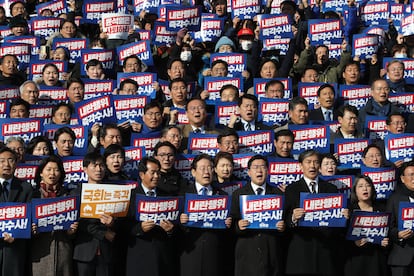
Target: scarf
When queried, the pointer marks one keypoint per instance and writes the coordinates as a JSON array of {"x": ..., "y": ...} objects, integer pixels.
[{"x": 48, "y": 190}]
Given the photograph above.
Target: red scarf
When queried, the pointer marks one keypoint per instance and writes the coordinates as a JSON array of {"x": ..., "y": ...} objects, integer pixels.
[{"x": 48, "y": 190}]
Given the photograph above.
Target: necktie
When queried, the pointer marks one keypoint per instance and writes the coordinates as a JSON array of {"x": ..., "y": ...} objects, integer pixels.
[
  {"x": 313, "y": 187},
  {"x": 151, "y": 193},
  {"x": 197, "y": 130},
  {"x": 327, "y": 115},
  {"x": 259, "y": 191},
  {"x": 204, "y": 191},
  {"x": 5, "y": 191},
  {"x": 248, "y": 127}
]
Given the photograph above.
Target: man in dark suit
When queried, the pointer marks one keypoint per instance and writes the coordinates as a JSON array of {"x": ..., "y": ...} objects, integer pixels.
[
  {"x": 326, "y": 98},
  {"x": 248, "y": 108},
  {"x": 201, "y": 250},
  {"x": 12, "y": 251},
  {"x": 266, "y": 258},
  {"x": 93, "y": 244},
  {"x": 401, "y": 257},
  {"x": 151, "y": 246},
  {"x": 311, "y": 251}
]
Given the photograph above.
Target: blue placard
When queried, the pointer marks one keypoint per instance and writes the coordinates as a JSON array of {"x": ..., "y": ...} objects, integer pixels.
[
  {"x": 405, "y": 216},
  {"x": 259, "y": 85},
  {"x": 325, "y": 31},
  {"x": 262, "y": 211},
  {"x": 45, "y": 27},
  {"x": 106, "y": 56},
  {"x": 223, "y": 112},
  {"x": 310, "y": 137},
  {"x": 20, "y": 50},
  {"x": 342, "y": 182},
  {"x": 283, "y": 171},
  {"x": 350, "y": 151},
  {"x": 210, "y": 30},
  {"x": 245, "y": 9},
  {"x": 273, "y": 111},
  {"x": 93, "y": 9},
  {"x": 26, "y": 128},
  {"x": 364, "y": 46},
  {"x": 229, "y": 187},
  {"x": 371, "y": 226},
  {"x": 33, "y": 41},
  {"x": 375, "y": 127},
  {"x": 399, "y": 147},
  {"x": 158, "y": 209},
  {"x": 94, "y": 110},
  {"x": 207, "y": 211},
  {"x": 145, "y": 82},
  {"x": 74, "y": 171},
  {"x": 258, "y": 141},
  {"x": 148, "y": 141},
  {"x": 274, "y": 26},
  {"x": 236, "y": 62},
  {"x": 356, "y": 95},
  {"x": 323, "y": 210},
  {"x": 51, "y": 214},
  {"x": 214, "y": 84},
  {"x": 57, "y": 7},
  {"x": 36, "y": 67},
  {"x": 384, "y": 180},
  {"x": 141, "y": 49},
  {"x": 15, "y": 220},
  {"x": 375, "y": 13},
  {"x": 74, "y": 45},
  {"x": 178, "y": 17},
  {"x": 81, "y": 142},
  {"x": 129, "y": 107},
  {"x": 202, "y": 143},
  {"x": 404, "y": 100},
  {"x": 162, "y": 35}
]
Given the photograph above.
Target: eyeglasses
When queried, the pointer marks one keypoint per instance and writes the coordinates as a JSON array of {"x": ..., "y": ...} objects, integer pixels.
[
  {"x": 258, "y": 167},
  {"x": 167, "y": 155},
  {"x": 156, "y": 114}
]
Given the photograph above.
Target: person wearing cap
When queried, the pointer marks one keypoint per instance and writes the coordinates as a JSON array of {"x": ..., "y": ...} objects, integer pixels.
[
  {"x": 18, "y": 26},
  {"x": 249, "y": 46}
]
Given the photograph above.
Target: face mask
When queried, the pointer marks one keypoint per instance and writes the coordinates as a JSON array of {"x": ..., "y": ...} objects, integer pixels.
[
  {"x": 185, "y": 56},
  {"x": 400, "y": 55},
  {"x": 246, "y": 45}
]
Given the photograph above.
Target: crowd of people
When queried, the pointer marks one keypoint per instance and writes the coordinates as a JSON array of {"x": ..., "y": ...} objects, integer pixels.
[{"x": 179, "y": 109}]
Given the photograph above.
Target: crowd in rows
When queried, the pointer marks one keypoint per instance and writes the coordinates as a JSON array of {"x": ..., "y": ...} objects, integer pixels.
[{"x": 181, "y": 107}]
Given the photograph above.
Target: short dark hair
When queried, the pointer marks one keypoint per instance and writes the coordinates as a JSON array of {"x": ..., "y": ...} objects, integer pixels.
[
  {"x": 165, "y": 130},
  {"x": 352, "y": 62},
  {"x": 349, "y": 108},
  {"x": 274, "y": 82},
  {"x": 257, "y": 157},
  {"x": 113, "y": 148},
  {"x": 284, "y": 132},
  {"x": 132, "y": 57},
  {"x": 177, "y": 80},
  {"x": 307, "y": 153},
  {"x": 220, "y": 155},
  {"x": 297, "y": 101},
  {"x": 126, "y": 81},
  {"x": 200, "y": 157},
  {"x": 389, "y": 117},
  {"x": 104, "y": 129},
  {"x": 42, "y": 165},
  {"x": 220, "y": 61},
  {"x": 323, "y": 86},
  {"x": 7, "y": 149},
  {"x": 153, "y": 104},
  {"x": 230, "y": 86},
  {"x": 164, "y": 144},
  {"x": 9, "y": 55},
  {"x": 194, "y": 99},
  {"x": 59, "y": 105},
  {"x": 36, "y": 140},
  {"x": 328, "y": 155},
  {"x": 403, "y": 167},
  {"x": 93, "y": 62},
  {"x": 248, "y": 97},
  {"x": 226, "y": 133},
  {"x": 371, "y": 146},
  {"x": 171, "y": 61},
  {"x": 62, "y": 130},
  {"x": 74, "y": 80},
  {"x": 91, "y": 158},
  {"x": 20, "y": 101},
  {"x": 142, "y": 166},
  {"x": 49, "y": 65}
]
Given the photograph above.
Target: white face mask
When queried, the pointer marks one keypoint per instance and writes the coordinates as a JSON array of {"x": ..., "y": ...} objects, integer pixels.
[
  {"x": 400, "y": 55},
  {"x": 185, "y": 56},
  {"x": 246, "y": 45}
]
